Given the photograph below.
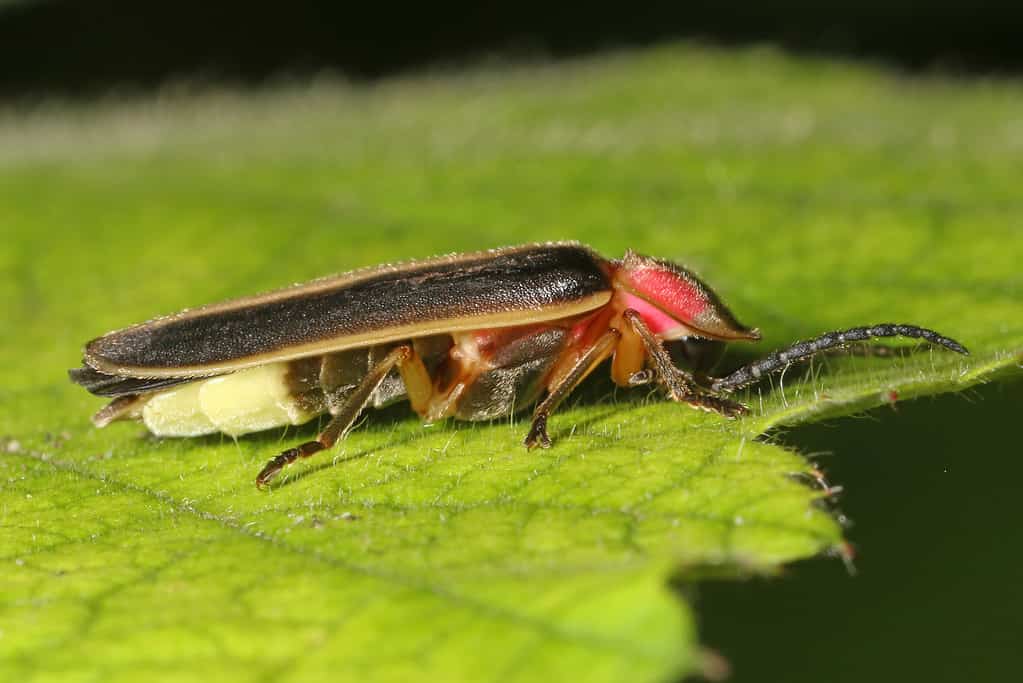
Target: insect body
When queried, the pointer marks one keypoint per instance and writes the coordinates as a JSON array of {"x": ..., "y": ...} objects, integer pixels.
[{"x": 473, "y": 336}]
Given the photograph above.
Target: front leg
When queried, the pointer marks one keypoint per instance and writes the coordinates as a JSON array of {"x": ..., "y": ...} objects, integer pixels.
[{"x": 681, "y": 386}]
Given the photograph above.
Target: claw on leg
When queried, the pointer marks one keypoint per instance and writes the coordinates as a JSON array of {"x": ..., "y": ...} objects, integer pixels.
[
  {"x": 716, "y": 404},
  {"x": 285, "y": 458},
  {"x": 538, "y": 434},
  {"x": 643, "y": 377}
]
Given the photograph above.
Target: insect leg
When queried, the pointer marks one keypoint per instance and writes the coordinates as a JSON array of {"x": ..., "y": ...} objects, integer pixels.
[
  {"x": 682, "y": 386},
  {"x": 410, "y": 365},
  {"x": 128, "y": 406},
  {"x": 778, "y": 360},
  {"x": 590, "y": 359}
]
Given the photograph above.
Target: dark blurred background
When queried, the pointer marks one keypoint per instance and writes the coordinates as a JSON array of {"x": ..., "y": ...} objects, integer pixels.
[{"x": 80, "y": 47}]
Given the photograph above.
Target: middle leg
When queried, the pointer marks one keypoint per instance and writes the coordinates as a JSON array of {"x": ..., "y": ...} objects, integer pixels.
[{"x": 603, "y": 347}]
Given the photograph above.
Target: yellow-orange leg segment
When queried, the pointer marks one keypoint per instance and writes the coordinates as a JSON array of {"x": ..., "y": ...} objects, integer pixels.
[
  {"x": 630, "y": 356},
  {"x": 417, "y": 384},
  {"x": 681, "y": 386}
]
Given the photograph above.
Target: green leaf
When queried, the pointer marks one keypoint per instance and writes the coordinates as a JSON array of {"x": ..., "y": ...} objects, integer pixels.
[{"x": 812, "y": 195}]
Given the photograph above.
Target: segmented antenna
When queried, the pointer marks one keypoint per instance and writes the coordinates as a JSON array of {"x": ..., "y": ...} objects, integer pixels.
[{"x": 778, "y": 360}]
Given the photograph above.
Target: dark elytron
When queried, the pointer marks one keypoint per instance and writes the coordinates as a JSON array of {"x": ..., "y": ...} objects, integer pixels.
[{"x": 377, "y": 301}]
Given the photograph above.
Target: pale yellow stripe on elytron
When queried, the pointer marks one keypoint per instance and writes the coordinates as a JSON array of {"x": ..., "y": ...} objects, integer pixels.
[{"x": 397, "y": 333}]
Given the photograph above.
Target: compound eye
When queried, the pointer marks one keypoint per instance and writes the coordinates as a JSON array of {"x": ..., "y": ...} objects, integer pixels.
[{"x": 697, "y": 353}]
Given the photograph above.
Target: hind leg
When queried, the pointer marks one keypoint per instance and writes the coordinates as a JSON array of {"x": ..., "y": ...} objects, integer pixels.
[{"x": 417, "y": 385}]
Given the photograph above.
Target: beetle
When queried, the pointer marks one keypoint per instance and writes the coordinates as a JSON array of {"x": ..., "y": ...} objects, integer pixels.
[{"x": 472, "y": 336}]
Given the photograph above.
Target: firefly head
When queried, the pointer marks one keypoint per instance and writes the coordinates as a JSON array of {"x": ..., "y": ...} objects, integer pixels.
[{"x": 674, "y": 303}]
